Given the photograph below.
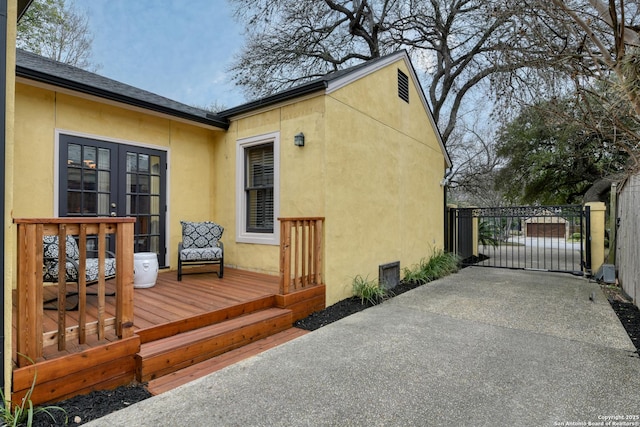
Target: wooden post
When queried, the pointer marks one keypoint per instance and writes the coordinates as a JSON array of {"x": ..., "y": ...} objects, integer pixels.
[
  {"x": 317, "y": 268},
  {"x": 285, "y": 260},
  {"x": 296, "y": 255},
  {"x": 124, "y": 280},
  {"x": 613, "y": 223},
  {"x": 102, "y": 250},
  {"x": 62, "y": 287},
  {"x": 29, "y": 321},
  {"x": 305, "y": 228},
  {"x": 82, "y": 285}
]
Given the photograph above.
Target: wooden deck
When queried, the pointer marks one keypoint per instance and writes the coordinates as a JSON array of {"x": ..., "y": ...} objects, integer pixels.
[
  {"x": 168, "y": 312},
  {"x": 168, "y": 301}
]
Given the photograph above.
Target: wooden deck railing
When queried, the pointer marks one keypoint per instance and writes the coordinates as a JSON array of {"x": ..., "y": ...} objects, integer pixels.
[
  {"x": 300, "y": 252},
  {"x": 30, "y": 278}
]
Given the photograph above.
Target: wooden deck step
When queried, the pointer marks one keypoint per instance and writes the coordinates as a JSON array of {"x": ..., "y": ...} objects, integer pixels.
[
  {"x": 183, "y": 376},
  {"x": 161, "y": 357}
]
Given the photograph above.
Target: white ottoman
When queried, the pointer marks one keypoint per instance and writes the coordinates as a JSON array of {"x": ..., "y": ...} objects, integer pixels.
[{"x": 145, "y": 269}]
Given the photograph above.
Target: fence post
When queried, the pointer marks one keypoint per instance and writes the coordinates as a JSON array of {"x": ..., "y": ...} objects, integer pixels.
[
  {"x": 597, "y": 220},
  {"x": 613, "y": 220},
  {"x": 475, "y": 225}
]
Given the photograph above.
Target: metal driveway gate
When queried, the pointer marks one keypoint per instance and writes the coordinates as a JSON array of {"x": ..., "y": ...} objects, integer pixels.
[{"x": 548, "y": 238}]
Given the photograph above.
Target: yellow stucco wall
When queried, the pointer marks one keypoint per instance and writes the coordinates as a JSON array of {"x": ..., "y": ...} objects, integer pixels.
[
  {"x": 301, "y": 175},
  {"x": 190, "y": 153},
  {"x": 384, "y": 202},
  {"x": 371, "y": 165}
]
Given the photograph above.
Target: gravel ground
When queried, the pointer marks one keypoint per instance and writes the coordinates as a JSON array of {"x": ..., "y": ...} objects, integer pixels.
[{"x": 82, "y": 409}]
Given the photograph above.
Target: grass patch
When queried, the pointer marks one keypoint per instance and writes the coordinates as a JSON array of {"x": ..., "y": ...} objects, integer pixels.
[
  {"x": 439, "y": 265},
  {"x": 369, "y": 291},
  {"x": 22, "y": 415}
]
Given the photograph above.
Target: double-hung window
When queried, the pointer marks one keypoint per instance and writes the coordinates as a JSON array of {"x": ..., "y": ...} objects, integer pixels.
[
  {"x": 258, "y": 188},
  {"x": 257, "y": 182}
]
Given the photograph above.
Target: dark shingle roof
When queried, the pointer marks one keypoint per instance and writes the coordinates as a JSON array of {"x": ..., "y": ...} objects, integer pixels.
[
  {"x": 320, "y": 83},
  {"x": 44, "y": 70}
]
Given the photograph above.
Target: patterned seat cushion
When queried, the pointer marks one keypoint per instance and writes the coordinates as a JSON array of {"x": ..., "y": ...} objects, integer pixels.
[
  {"x": 200, "y": 234},
  {"x": 51, "y": 250},
  {"x": 51, "y": 270},
  {"x": 201, "y": 254}
]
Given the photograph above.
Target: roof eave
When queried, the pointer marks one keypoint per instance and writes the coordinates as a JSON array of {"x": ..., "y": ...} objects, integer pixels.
[
  {"x": 287, "y": 95},
  {"x": 38, "y": 76}
]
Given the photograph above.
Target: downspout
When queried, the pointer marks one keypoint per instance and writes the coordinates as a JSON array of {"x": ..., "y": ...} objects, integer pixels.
[{"x": 3, "y": 115}]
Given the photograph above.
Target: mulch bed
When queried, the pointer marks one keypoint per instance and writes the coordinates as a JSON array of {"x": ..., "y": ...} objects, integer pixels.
[
  {"x": 82, "y": 409},
  {"x": 627, "y": 312}
]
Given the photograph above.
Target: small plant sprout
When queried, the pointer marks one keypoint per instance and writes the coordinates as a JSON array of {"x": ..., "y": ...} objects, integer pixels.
[
  {"x": 439, "y": 265},
  {"x": 368, "y": 290},
  {"x": 22, "y": 415}
]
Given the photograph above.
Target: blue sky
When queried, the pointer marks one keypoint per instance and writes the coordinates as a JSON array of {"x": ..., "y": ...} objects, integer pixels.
[{"x": 175, "y": 48}]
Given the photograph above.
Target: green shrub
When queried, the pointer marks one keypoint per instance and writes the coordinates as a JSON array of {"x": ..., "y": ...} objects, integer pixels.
[
  {"x": 575, "y": 237},
  {"x": 439, "y": 265},
  {"x": 22, "y": 415},
  {"x": 486, "y": 234},
  {"x": 368, "y": 290}
]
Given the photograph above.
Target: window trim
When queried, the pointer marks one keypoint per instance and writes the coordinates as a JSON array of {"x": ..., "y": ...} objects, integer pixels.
[{"x": 242, "y": 235}]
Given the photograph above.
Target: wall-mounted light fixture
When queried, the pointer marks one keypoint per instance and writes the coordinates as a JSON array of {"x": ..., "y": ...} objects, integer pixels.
[{"x": 298, "y": 140}]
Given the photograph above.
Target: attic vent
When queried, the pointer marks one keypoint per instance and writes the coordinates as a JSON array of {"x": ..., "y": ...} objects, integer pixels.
[{"x": 403, "y": 86}]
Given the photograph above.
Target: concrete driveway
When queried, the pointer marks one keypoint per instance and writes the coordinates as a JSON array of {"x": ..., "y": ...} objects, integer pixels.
[{"x": 483, "y": 347}]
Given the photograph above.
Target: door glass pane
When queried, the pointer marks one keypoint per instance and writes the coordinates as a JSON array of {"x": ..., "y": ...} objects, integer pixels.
[
  {"x": 103, "y": 204},
  {"x": 104, "y": 181},
  {"x": 130, "y": 205},
  {"x": 90, "y": 157},
  {"x": 143, "y": 205},
  {"x": 143, "y": 225},
  {"x": 74, "y": 202},
  {"x": 131, "y": 183},
  {"x": 143, "y": 163},
  {"x": 74, "y": 178},
  {"x": 155, "y": 224},
  {"x": 155, "y": 185},
  {"x": 154, "y": 243},
  {"x": 155, "y": 165},
  {"x": 143, "y": 184},
  {"x": 74, "y": 155},
  {"x": 141, "y": 243},
  {"x": 132, "y": 162},
  {"x": 90, "y": 205},
  {"x": 155, "y": 205},
  {"x": 89, "y": 180},
  {"x": 104, "y": 158}
]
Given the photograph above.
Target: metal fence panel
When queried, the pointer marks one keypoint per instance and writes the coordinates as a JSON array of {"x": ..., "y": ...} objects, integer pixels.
[{"x": 548, "y": 238}]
